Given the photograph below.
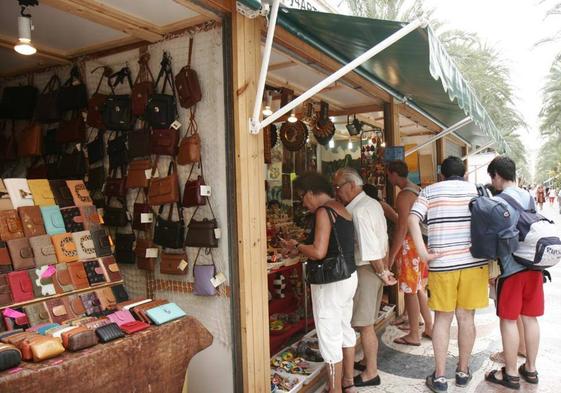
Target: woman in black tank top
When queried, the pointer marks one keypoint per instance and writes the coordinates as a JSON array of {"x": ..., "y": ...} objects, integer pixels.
[{"x": 333, "y": 302}]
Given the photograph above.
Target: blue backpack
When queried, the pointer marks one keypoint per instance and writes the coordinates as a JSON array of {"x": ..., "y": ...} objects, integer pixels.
[{"x": 493, "y": 229}]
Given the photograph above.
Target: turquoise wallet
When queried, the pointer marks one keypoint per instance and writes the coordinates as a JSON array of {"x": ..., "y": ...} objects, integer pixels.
[
  {"x": 43, "y": 329},
  {"x": 52, "y": 217},
  {"x": 165, "y": 313}
]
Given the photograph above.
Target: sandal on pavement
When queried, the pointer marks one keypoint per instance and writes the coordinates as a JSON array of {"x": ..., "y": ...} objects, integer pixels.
[
  {"x": 403, "y": 341},
  {"x": 344, "y": 388},
  {"x": 371, "y": 382},
  {"x": 528, "y": 376},
  {"x": 507, "y": 380}
]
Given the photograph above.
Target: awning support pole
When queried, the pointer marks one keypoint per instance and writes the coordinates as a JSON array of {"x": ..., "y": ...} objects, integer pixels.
[
  {"x": 255, "y": 125},
  {"x": 441, "y": 134},
  {"x": 479, "y": 167},
  {"x": 478, "y": 150}
]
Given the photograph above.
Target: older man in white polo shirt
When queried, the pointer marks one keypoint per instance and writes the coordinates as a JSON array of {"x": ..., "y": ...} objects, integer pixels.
[{"x": 371, "y": 248}]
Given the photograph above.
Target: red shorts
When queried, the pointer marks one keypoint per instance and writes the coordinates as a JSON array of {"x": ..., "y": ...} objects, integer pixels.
[{"x": 520, "y": 294}]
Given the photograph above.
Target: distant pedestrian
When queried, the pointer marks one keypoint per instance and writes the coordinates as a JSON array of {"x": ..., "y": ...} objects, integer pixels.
[
  {"x": 540, "y": 196},
  {"x": 552, "y": 194}
]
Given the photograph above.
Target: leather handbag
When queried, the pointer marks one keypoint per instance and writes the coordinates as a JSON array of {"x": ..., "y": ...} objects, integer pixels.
[
  {"x": 94, "y": 272},
  {"x": 72, "y": 165},
  {"x": 79, "y": 338},
  {"x": 106, "y": 298},
  {"x": 188, "y": 88},
  {"x": 52, "y": 218},
  {"x": 190, "y": 145},
  {"x": 62, "y": 279},
  {"x": 109, "y": 332},
  {"x": 63, "y": 196},
  {"x": 42, "y": 285},
  {"x": 144, "y": 262},
  {"x": 110, "y": 268},
  {"x": 120, "y": 317},
  {"x": 80, "y": 194},
  {"x": 30, "y": 142},
  {"x": 43, "y": 250},
  {"x": 46, "y": 348},
  {"x": 8, "y": 148},
  {"x": 10, "y": 357},
  {"x": 133, "y": 327},
  {"x": 37, "y": 313},
  {"x": 136, "y": 176},
  {"x": 163, "y": 190},
  {"x": 73, "y": 219},
  {"x": 37, "y": 170},
  {"x": 96, "y": 102},
  {"x": 58, "y": 310},
  {"x": 73, "y": 94},
  {"x": 5, "y": 292},
  {"x": 141, "y": 210},
  {"x": 115, "y": 216},
  {"x": 163, "y": 141},
  {"x": 101, "y": 243},
  {"x": 161, "y": 109},
  {"x": 96, "y": 148},
  {"x": 117, "y": 111},
  {"x": 5, "y": 260},
  {"x": 65, "y": 248},
  {"x": 50, "y": 145},
  {"x": 71, "y": 131},
  {"x": 20, "y": 101},
  {"x": 20, "y": 286},
  {"x": 46, "y": 109},
  {"x": 115, "y": 186},
  {"x": 5, "y": 202},
  {"x": 117, "y": 152},
  {"x": 21, "y": 254},
  {"x": 41, "y": 191},
  {"x": 202, "y": 233},
  {"x": 124, "y": 251},
  {"x": 192, "y": 193},
  {"x": 19, "y": 191},
  {"x": 10, "y": 225},
  {"x": 165, "y": 313},
  {"x": 143, "y": 86},
  {"x": 120, "y": 293},
  {"x": 202, "y": 275},
  {"x": 78, "y": 275},
  {"x": 31, "y": 220},
  {"x": 175, "y": 264},
  {"x": 148, "y": 264},
  {"x": 91, "y": 303},
  {"x": 84, "y": 245},
  {"x": 139, "y": 143},
  {"x": 168, "y": 233},
  {"x": 96, "y": 178},
  {"x": 91, "y": 218}
]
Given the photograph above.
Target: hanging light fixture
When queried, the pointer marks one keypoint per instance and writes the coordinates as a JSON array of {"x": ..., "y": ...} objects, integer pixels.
[
  {"x": 331, "y": 143},
  {"x": 25, "y": 26},
  {"x": 350, "y": 144},
  {"x": 267, "y": 110},
  {"x": 292, "y": 118}
]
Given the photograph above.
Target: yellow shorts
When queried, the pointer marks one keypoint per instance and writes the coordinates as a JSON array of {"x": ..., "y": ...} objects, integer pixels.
[{"x": 466, "y": 288}]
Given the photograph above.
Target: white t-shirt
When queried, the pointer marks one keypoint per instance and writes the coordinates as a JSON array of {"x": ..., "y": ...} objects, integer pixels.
[
  {"x": 552, "y": 193},
  {"x": 371, "y": 231}
]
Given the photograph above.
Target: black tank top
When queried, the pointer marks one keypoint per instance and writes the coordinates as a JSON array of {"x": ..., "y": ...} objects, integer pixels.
[{"x": 345, "y": 232}]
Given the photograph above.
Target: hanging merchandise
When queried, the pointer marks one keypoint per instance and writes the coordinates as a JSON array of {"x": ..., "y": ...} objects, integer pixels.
[
  {"x": 19, "y": 101},
  {"x": 192, "y": 195},
  {"x": 46, "y": 109},
  {"x": 161, "y": 109},
  {"x": 136, "y": 176},
  {"x": 190, "y": 146},
  {"x": 204, "y": 276},
  {"x": 31, "y": 141},
  {"x": 50, "y": 145},
  {"x": 96, "y": 178},
  {"x": 8, "y": 150},
  {"x": 115, "y": 216},
  {"x": 139, "y": 143},
  {"x": 168, "y": 233},
  {"x": 73, "y": 95},
  {"x": 145, "y": 257},
  {"x": 71, "y": 131},
  {"x": 72, "y": 165},
  {"x": 142, "y": 216},
  {"x": 188, "y": 88},
  {"x": 293, "y": 135},
  {"x": 324, "y": 129},
  {"x": 143, "y": 86},
  {"x": 117, "y": 152},
  {"x": 116, "y": 186},
  {"x": 202, "y": 233},
  {"x": 164, "y": 190},
  {"x": 117, "y": 111},
  {"x": 124, "y": 251},
  {"x": 96, "y": 148},
  {"x": 175, "y": 264},
  {"x": 96, "y": 102},
  {"x": 163, "y": 141}
]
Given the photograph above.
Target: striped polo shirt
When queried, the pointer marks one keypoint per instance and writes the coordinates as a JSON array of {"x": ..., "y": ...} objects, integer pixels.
[{"x": 445, "y": 205}]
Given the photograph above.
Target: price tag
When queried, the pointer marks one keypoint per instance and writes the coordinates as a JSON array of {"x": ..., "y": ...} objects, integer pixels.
[
  {"x": 146, "y": 218},
  {"x": 152, "y": 253},
  {"x": 10, "y": 313},
  {"x": 217, "y": 233},
  {"x": 49, "y": 271},
  {"x": 218, "y": 279},
  {"x": 205, "y": 190},
  {"x": 148, "y": 173},
  {"x": 175, "y": 125},
  {"x": 78, "y": 146},
  {"x": 183, "y": 265}
]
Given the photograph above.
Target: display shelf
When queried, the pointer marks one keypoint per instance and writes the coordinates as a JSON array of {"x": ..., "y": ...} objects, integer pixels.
[
  {"x": 58, "y": 295},
  {"x": 285, "y": 268},
  {"x": 286, "y": 305},
  {"x": 276, "y": 341}
]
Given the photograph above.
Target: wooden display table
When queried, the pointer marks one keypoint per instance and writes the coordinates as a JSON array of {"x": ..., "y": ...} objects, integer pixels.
[{"x": 154, "y": 360}]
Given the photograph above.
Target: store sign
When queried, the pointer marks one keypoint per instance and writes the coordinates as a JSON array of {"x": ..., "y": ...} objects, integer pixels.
[
  {"x": 303, "y": 5},
  {"x": 394, "y": 153}
]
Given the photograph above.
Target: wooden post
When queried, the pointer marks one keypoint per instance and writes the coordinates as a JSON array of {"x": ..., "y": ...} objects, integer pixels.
[{"x": 250, "y": 208}]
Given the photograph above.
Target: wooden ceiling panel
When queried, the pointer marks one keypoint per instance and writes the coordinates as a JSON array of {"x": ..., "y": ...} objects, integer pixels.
[
  {"x": 159, "y": 12},
  {"x": 11, "y": 62}
]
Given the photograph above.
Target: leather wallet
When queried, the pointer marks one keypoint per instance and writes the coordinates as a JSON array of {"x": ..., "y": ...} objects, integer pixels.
[
  {"x": 21, "y": 254},
  {"x": 5, "y": 202},
  {"x": 63, "y": 197},
  {"x": 120, "y": 317},
  {"x": 140, "y": 311},
  {"x": 99, "y": 322},
  {"x": 5, "y": 293},
  {"x": 31, "y": 220},
  {"x": 25, "y": 346},
  {"x": 106, "y": 298},
  {"x": 52, "y": 218},
  {"x": 110, "y": 269},
  {"x": 173, "y": 264},
  {"x": 61, "y": 279},
  {"x": 81, "y": 321},
  {"x": 58, "y": 310},
  {"x": 20, "y": 286},
  {"x": 101, "y": 243},
  {"x": 94, "y": 271},
  {"x": 84, "y": 245},
  {"x": 46, "y": 348},
  {"x": 79, "y": 192},
  {"x": 10, "y": 356},
  {"x": 91, "y": 218},
  {"x": 73, "y": 219},
  {"x": 133, "y": 327},
  {"x": 79, "y": 338},
  {"x": 43, "y": 250},
  {"x": 165, "y": 313},
  {"x": 17, "y": 338},
  {"x": 65, "y": 248},
  {"x": 76, "y": 305},
  {"x": 78, "y": 275},
  {"x": 91, "y": 303},
  {"x": 37, "y": 314},
  {"x": 136, "y": 176},
  {"x": 109, "y": 332},
  {"x": 10, "y": 225},
  {"x": 42, "y": 286},
  {"x": 120, "y": 293},
  {"x": 127, "y": 305},
  {"x": 18, "y": 322},
  {"x": 35, "y": 328},
  {"x": 5, "y": 260},
  {"x": 19, "y": 192},
  {"x": 41, "y": 191},
  {"x": 43, "y": 329}
]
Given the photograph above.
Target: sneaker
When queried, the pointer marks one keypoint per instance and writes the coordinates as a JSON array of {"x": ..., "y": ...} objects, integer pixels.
[
  {"x": 435, "y": 384},
  {"x": 462, "y": 379}
]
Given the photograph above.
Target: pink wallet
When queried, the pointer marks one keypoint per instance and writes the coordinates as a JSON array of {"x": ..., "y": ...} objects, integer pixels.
[{"x": 121, "y": 317}]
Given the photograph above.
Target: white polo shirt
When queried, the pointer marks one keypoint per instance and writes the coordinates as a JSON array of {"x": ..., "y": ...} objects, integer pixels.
[{"x": 371, "y": 231}]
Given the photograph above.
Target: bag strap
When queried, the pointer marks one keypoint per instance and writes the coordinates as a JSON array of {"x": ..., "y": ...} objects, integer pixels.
[
  {"x": 333, "y": 218},
  {"x": 50, "y": 86},
  {"x": 190, "y": 52},
  {"x": 144, "y": 72},
  {"x": 208, "y": 251},
  {"x": 512, "y": 202},
  {"x": 74, "y": 75},
  {"x": 166, "y": 72},
  {"x": 179, "y": 212},
  {"x": 143, "y": 191},
  {"x": 105, "y": 74},
  {"x": 193, "y": 127},
  {"x": 119, "y": 78}
]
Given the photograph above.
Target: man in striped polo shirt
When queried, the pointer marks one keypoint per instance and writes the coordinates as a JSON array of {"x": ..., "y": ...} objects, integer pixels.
[{"x": 457, "y": 283}]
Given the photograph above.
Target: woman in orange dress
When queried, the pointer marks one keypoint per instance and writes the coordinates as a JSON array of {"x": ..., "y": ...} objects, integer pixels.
[{"x": 540, "y": 196}]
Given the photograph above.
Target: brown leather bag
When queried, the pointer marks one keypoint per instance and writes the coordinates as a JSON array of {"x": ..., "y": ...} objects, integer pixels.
[
  {"x": 97, "y": 101},
  {"x": 143, "y": 262},
  {"x": 192, "y": 193},
  {"x": 190, "y": 145},
  {"x": 164, "y": 190},
  {"x": 173, "y": 264},
  {"x": 143, "y": 86},
  {"x": 136, "y": 177},
  {"x": 163, "y": 141},
  {"x": 71, "y": 131},
  {"x": 115, "y": 186},
  {"x": 31, "y": 141},
  {"x": 187, "y": 82},
  {"x": 202, "y": 233}
]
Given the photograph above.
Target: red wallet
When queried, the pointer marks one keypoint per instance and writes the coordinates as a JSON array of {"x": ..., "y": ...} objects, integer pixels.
[
  {"x": 133, "y": 327},
  {"x": 20, "y": 285}
]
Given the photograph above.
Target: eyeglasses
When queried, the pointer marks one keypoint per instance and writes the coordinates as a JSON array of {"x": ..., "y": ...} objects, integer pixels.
[{"x": 339, "y": 186}]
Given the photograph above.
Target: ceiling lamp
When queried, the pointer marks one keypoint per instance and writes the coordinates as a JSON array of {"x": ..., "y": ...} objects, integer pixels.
[
  {"x": 25, "y": 27},
  {"x": 350, "y": 144},
  {"x": 331, "y": 143},
  {"x": 267, "y": 110},
  {"x": 292, "y": 118},
  {"x": 354, "y": 127}
]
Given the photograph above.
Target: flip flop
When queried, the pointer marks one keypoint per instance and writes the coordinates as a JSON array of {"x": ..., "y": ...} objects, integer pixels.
[
  {"x": 403, "y": 341},
  {"x": 405, "y": 326}
]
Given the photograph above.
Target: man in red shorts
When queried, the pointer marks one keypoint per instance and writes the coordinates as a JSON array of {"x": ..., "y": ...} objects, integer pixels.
[{"x": 519, "y": 291}]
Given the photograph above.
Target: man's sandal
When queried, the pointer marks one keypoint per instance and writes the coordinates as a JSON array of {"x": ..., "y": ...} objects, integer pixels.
[
  {"x": 528, "y": 376},
  {"x": 507, "y": 380},
  {"x": 344, "y": 388}
]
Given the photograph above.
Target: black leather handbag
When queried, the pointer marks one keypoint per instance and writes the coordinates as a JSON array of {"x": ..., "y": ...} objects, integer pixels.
[
  {"x": 161, "y": 109},
  {"x": 202, "y": 233},
  {"x": 73, "y": 94},
  {"x": 117, "y": 112},
  {"x": 96, "y": 178},
  {"x": 115, "y": 216},
  {"x": 168, "y": 233},
  {"x": 118, "y": 152},
  {"x": 124, "y": 250},
  {"x": 96, "y": 148},
  {"x": 50, "y": 145},
  {"x": 139, "y": 143},
  {"x": 46, "y": 110},
  {"x": 72, "y": 166},
  {"x": 19, "y": 102}
]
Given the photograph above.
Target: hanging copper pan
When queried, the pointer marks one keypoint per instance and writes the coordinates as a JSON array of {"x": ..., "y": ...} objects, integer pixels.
[
  {"x": 324, "y": 129},
  {"x": 293, "y": 135}
]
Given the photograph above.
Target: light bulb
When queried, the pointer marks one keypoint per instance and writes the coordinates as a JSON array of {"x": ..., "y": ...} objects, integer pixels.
[
  {"x": 331, "y": 144},
  {"x": 350, "y": 145},
  {"x": 267, "y": 111},
  {"x": 25, "y": 48},
  {"x": 292, "y": 118},
  {"x": 308, "y": 140},
  {"x": 383, "y": 144}
]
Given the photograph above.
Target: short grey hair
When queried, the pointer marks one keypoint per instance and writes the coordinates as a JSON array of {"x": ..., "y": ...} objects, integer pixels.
[{"x": 350, "y": 174}]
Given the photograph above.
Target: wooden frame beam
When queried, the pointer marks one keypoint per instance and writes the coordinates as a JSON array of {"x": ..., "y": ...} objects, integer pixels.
[
  {"x": 418, "y": 118},
  {"x": 198, "y": 9},
  {"x": 281, "y": 66},
  {"x": 42, "y": 51}
]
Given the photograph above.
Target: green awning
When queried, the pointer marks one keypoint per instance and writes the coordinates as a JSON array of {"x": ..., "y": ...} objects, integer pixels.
[{"x": 416, "y": 68}]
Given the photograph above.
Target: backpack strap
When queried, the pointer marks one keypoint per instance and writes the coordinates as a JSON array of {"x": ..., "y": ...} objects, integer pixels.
[{"x": 512, "y": 202}]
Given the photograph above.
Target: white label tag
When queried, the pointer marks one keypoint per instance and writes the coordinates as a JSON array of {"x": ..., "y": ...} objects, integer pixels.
[
  {"x": 183, "y": 265},
  {"x": 218, "y": 279},
  {"x": 205, "y": 190},
  {"x": 152, "y": 253},
  {"x": 175, "y": 125},
  {"x": 217, "y": 233},
  {"x": 146, "y": 218},
  {"x": 129, "y": 215},
  {"x": 148, "y": 173},
  {"x": 78, "y": 146}
]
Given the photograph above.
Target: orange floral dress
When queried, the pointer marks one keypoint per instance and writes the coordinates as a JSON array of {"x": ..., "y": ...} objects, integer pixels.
[{"x": 411, "y": 269}]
